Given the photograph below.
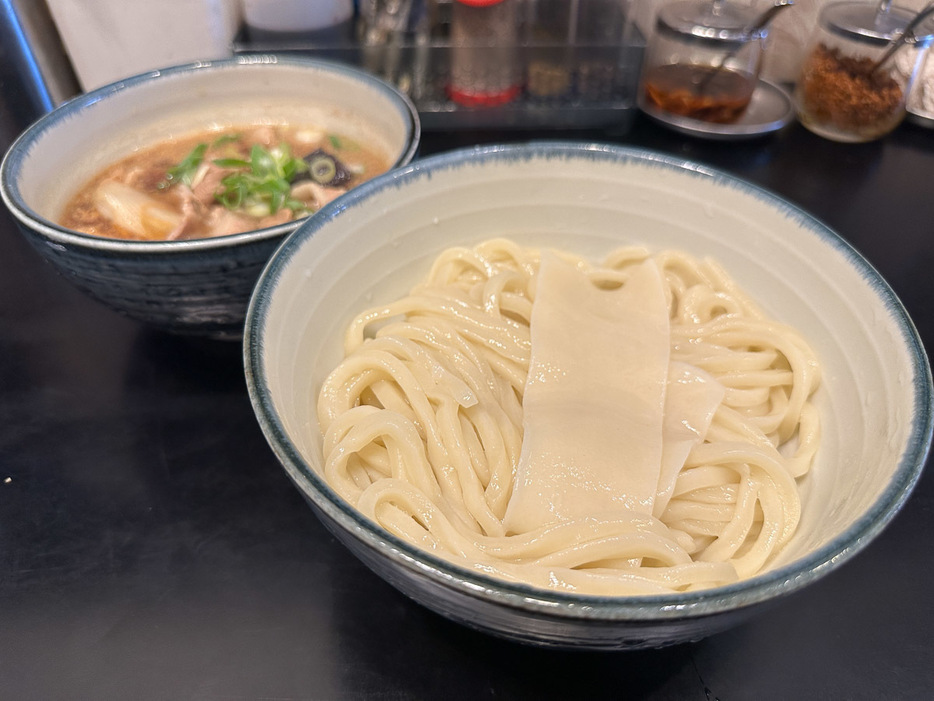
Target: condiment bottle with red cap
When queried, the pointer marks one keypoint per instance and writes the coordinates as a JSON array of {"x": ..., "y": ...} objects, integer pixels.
[{"x": 485, "y": 69}]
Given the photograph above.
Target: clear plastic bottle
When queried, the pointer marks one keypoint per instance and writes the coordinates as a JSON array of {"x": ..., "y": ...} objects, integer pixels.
[{"x": 485, "y": 68}]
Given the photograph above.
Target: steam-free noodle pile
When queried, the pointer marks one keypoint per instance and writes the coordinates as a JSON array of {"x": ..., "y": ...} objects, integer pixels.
[{"x": 649, "y": 440}]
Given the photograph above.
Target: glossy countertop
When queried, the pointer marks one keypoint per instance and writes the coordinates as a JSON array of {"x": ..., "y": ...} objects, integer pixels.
[{"x": 151, "y": 547}]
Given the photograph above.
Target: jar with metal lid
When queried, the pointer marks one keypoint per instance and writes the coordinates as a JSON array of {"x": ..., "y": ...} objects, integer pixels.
[
  {"x": 703, "y": 60},
  {"x": 842, "y": 94}
]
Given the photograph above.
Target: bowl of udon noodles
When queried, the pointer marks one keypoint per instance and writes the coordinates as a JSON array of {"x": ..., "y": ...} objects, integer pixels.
[
  {"x": 164, "y": 194},
  {"x": 587, "y": 396}
]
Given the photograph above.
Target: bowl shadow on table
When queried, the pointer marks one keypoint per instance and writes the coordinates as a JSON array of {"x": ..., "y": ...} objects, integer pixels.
[
  {"x": 185, "y": 363},
  {"x": 386, "y": 631}
]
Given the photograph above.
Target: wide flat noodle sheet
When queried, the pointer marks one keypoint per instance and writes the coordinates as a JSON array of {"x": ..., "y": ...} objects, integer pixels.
[
  {"x": 594, "y": 400},
  {"x": 691, "y": 400}
]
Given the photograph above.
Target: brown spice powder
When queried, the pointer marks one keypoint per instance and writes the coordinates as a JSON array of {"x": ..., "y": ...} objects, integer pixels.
[{"x": 840, "y": 90}]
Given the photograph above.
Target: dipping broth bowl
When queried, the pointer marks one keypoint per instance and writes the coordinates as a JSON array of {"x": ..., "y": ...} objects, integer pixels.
[
  {"x": 588, "y": 199},
  {"x": 198, "y": 286}
]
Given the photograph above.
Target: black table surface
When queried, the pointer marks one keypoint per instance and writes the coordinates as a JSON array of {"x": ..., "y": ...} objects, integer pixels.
[{"x": 151, "y": 547}]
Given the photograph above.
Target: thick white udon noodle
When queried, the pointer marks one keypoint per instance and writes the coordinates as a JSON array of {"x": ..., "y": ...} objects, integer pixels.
[{"x": 423, "y": 423}]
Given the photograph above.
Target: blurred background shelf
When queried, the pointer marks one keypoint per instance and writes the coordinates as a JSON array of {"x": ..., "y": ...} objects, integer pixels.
[
  {"x": 598, "y": 92},
  {"x": 573, "y": 63}
]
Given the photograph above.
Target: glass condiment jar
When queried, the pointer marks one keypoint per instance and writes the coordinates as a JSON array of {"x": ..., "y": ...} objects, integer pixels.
[
  {"x": 703, "y": 61},
  {"x": 838, "y": 95}
]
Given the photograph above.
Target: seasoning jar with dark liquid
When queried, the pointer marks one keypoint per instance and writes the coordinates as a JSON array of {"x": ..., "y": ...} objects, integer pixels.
[
  {"x": 702, "y": 61},
  {"x": 843, "y": 94}
]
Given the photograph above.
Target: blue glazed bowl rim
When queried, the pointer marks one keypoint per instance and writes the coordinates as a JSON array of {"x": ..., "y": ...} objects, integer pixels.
[
  {"x": 748, "y": 592},
  {"x": 18, "y": 153}
]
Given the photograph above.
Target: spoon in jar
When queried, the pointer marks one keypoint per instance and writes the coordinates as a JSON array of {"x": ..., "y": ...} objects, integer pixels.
[
  {"x": 751, "y": 30},
  {"x": 901, "y": 39}
]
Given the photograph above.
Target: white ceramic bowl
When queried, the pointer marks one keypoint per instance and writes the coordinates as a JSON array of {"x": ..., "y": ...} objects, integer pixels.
[
  {"x": 198, "y": 286},
  {"x": 875, "y": 397}
]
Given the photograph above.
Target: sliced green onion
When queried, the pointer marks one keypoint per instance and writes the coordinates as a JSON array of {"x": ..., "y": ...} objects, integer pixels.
[
  {"x": 186, "y": 169},
  {"x": 231, "y": 163},
  {"x": 322, "y": 169},
  {"x": 261, "y": 185},
  {"x": 225, "y": 139}
]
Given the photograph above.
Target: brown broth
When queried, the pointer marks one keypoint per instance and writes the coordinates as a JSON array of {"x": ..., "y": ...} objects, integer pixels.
[{"x": 146, "y": 169}]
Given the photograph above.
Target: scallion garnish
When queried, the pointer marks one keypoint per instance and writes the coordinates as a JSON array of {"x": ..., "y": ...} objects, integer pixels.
[
  {"x": 185, "y": 171},
  {"x": 225, "y": 139},
  {"x": 262, "y": 184}
]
